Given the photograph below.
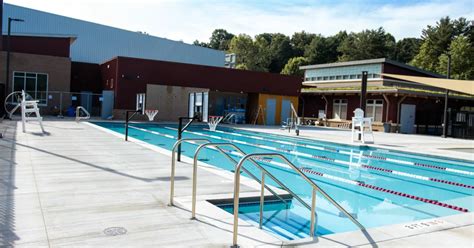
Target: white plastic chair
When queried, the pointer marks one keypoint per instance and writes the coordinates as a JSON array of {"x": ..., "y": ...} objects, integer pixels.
[{"x": 361, "y": 126}]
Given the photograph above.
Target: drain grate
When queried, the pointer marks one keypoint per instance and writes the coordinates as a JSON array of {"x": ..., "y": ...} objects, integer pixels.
[{"x": 115, "y": 231}]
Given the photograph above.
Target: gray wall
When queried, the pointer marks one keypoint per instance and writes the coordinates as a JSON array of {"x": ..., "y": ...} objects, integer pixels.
[{"x": 97, "y": 43}]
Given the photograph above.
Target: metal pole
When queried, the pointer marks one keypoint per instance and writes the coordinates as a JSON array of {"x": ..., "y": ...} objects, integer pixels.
[
  {"x": 60, "y": 105},
  {"x": 363, "y": 95},
  {"x": 126, "y": 125},
  {"x": 446, "y": 95},
  {"x": 262, "y": 198},
  {"x": 180, "y": 126},
  {"x": 236, "y": 203},
  {"x": 313, "y": 213},
  {"x": 7, "y": 69}
]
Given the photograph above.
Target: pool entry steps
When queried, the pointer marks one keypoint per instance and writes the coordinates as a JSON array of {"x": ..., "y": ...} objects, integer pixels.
[{"x": 253, "y": 158}]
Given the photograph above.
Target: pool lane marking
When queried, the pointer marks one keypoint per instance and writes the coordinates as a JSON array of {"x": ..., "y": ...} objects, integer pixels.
[
  {"x": 153, "y": 132},
  {"x": 324, "y": 158},
  {"x": 356, "y": 183},
  {"x": 393, "y": 192},
  {"x": 331, "y": 177},
  {"x": 397, "y": 161}
]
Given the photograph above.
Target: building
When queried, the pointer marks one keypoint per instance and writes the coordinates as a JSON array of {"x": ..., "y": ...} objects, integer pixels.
[
  {"x": 65, "y": 62},
  {"x": 168, "y": 84},
  {"x": 333, "y": 90},
  {"x": 98, "y": 43}
]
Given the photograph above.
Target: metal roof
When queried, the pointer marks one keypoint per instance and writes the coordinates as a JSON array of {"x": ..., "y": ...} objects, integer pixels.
[
  {"x": 370, "y": 61},
  {"x": 97, "y": 43}
]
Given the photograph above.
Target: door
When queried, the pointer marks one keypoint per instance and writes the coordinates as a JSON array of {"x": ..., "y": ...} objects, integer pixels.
[
  {"x": 107, "y": 104},
  {"x": 407, "y": 118},
  {"x": 270, "y": 111},
  {"x": 285, "y": 110}
]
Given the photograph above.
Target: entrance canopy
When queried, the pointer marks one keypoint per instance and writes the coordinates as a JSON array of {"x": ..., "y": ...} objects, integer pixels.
[{"x": 460, "y": 86}]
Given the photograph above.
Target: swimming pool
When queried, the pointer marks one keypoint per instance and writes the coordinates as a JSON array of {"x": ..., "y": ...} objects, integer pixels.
[{"x": 377, "y": 186}]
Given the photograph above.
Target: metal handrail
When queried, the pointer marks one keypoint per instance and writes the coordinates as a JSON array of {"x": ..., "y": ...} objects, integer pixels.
[
  {"x": 78, "y": 114},
  {"x": 173, "y": 166},
  {"x": 311, "y": 183},
  {"x": 262, "y": 181},
  {"x": 173, "y": 163}
]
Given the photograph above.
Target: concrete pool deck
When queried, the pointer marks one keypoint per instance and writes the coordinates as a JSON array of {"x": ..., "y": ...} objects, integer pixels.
[{"x": 69, "y": 187}]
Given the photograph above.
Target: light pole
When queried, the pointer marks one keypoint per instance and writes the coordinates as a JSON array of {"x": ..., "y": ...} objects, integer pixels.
[
  {"x": 445, "y": 116},
  {"x": 7, "y": 78}
]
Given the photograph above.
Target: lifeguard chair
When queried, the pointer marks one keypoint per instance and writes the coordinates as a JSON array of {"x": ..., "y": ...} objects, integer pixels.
[{"x": 361, "y": 126}]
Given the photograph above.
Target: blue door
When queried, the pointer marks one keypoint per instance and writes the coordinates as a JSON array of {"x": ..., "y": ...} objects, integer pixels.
[
  {"x": 270, "y": 111},
  {"x": 285, "y": 110}
]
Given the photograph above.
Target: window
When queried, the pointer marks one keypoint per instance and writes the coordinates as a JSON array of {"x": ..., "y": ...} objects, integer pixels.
[
  {"x": 374, "y": 109},
  {"x": 35, "y": 84},
  {"x": 320, "y": 78},
  {"x": 331, "y": 77},
  {"x": 339, "y": 109},
  {"x": 345, "y": 77}
]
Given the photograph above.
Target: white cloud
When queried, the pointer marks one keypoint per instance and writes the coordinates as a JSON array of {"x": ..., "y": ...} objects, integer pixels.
[{"x": 190, "y": 20}]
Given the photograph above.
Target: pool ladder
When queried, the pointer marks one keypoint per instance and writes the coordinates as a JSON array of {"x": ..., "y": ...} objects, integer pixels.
[{"x": 239, "y": 166}]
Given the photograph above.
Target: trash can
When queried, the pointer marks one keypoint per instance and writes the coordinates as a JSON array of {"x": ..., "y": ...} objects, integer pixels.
[{"x": 387, "y": 127}]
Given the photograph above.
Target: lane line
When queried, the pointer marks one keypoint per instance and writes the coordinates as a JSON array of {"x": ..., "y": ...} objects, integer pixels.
[{"x": 325, "y": 158}]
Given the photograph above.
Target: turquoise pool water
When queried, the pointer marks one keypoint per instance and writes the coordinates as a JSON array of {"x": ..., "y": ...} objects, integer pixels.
[{"x": 377, "y": 186}]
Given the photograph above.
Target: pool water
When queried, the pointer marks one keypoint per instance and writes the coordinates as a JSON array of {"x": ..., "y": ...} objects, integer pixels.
[{"x": 377, "y": 186}]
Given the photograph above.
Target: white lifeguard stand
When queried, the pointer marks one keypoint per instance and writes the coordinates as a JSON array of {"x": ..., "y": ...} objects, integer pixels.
[
  {"x": 361, "y": 126},
  {"x": 27, "y": 109}
]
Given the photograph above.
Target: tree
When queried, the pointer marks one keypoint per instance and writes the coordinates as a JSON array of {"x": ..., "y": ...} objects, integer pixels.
[
  {"x": 437, "y": 39},
  {"x": 293, "y": 66},
  {"x": 220, "y": 39},
  {"x": 407, "y": 49},
  {"x": 318, "y": 51},
  {"x": 300, "y": 41},
  {"x": 201, "y": 44},
  {"x": 368, "y": 44},
  {"x": 250, "y": 55},
  {"x": 277, "y": 49},
  {"x": 462, "y": 59}
]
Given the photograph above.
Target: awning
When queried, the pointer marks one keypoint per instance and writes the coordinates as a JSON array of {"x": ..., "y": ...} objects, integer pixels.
[{"x": 460, "y": 86}]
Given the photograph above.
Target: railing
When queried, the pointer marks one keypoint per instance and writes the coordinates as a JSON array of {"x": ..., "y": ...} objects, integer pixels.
[
  {"x": 315, "y": 188},
  {"x": 243, "y": 154},
  {"x": 238, "y": 168},
  {"x": 216, "y": 145},
  {"x": 78, "y": 113}
]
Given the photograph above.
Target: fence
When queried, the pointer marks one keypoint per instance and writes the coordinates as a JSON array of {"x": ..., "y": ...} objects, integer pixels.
[{"x": 60, "y": 103}]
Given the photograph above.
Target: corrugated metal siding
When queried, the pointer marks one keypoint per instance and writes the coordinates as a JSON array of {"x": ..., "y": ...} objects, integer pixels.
[{"x": 98, "y": 43}]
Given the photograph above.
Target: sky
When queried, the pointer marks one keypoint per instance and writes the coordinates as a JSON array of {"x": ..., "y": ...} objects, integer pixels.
[{"x": 188, "y": 20}]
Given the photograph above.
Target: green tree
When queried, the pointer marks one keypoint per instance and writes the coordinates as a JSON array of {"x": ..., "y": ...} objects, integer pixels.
[
  {"x": 250, "y": 55},
  {"x": 300, "y": 41},
  {"x": 462, "y": 59},
  {"x": 220, "y": 39},
  {"x": 368, "y": 44},
  {"x": 318, "y": 51},
  {"x": 202, "y": 44},
  {"x": 407, "y": 49},
  {"x": 277, "y": 49},
  {"x": 293, "y": 66},
  {"x": 437, "y": 39}
]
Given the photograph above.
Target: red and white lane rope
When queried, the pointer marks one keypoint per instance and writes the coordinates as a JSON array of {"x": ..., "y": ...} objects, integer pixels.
[
  {"x": 325, "y": 158},
  {"x": 393, "y": 192},
  {"x": 378, "y": 157},
  {"x": 335, "y": 178}
]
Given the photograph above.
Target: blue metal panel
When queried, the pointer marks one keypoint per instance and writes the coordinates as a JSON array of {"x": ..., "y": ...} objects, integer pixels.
[
  {"x": 98, "y": 43},
  {"x": 270, "y": 111}
]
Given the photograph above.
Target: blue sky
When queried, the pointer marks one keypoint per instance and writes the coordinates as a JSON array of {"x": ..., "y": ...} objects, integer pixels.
[{"x": 188, "y": 20}]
